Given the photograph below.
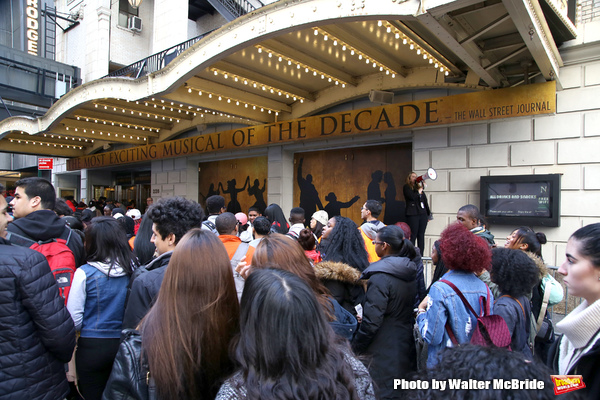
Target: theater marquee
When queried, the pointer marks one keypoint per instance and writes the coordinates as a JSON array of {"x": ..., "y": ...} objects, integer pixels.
[{"x": 469, "y": 107}]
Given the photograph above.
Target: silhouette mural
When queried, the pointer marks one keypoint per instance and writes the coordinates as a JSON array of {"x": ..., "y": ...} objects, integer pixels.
[
  {"x": 309, "y": 197},
  {"x": 234, "y": 205},
  {"x": 222, "y": 177},
  {"x": 258, "y": 194},
  {"x": 334, "y": 207},
  {"x": 373, "y": 190},
  {"x": 394, "y": 209},
  {"x": 357, "y": 174}
]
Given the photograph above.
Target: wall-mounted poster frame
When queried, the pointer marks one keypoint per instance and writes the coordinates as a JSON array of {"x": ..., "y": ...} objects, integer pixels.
[{"x": 521, "y": 200}]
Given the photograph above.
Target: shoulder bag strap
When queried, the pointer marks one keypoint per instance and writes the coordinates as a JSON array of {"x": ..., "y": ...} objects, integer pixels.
[
  {"x": 451, "y": 334},
  {"x": 462, "y": 297},
  {"x": 466, "y": 303},
  {"x": 19, "y": 240},
  {"x": 517, "y": 300},
  {"x": 540, "y": 319}
]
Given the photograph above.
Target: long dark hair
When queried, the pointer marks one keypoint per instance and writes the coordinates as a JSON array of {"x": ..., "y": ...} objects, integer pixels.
[
  {"x": 345, "y": 244},
  {"x": 106, "y": 241},
  {"x": 286, "y": 349},
  {"x": 274, "y": 214},
  {"x": 400, "y": 246},
  {"x": 143, "y": 248},
  {"x": 186, "y": 334},
  {"x": 440, "y": 267}
]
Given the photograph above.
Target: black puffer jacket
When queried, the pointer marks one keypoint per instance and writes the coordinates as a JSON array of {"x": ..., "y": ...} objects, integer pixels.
[
  {"x": 386, "y": 331},
  {"x": 37, "y": 335}
]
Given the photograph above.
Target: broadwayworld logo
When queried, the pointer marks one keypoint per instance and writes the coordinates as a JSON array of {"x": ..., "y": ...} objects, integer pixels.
[{"x": 567, "y": 383}]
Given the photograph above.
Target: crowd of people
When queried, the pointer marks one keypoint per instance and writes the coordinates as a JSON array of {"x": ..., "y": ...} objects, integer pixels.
[{"x": 182, "y": 302}]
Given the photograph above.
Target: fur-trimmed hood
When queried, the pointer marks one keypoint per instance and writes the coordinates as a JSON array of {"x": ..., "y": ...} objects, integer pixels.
[
  {"x": 337, "y": 271},
  {"x": 539, "y": 263}
]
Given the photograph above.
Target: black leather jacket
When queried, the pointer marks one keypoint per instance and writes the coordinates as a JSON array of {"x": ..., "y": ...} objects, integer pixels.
[{"x": 130, "y": 377}]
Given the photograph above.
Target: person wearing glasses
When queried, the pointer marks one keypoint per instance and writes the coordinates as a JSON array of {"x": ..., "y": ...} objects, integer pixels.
[{"x": 386, "y": 331}]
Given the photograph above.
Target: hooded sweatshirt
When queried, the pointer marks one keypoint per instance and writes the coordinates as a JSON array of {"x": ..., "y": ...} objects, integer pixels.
[
  {"x": 369, "y": 231},
  {"x": 44, "y": 225},
  {"x": 97, "y": 299}
]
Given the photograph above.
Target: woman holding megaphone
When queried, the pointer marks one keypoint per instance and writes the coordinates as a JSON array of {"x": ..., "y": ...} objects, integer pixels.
[{"x": 417, "y": 208}]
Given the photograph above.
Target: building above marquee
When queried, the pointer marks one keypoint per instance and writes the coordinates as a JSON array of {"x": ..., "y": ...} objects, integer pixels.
[{"x": 293, "y": 59}]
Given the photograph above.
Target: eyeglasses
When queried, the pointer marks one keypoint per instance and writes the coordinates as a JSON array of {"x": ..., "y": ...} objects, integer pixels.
[{"x": 376, "y": 242}]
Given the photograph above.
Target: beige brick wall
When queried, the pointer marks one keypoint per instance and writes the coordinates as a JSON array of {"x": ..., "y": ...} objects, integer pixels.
[{"x": 566, "y": 143}]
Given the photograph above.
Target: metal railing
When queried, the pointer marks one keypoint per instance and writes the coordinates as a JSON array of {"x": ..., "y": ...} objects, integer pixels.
[
  {"x": 156, "y": 61},
  {"x": 37, "y": 80},
  {"x": 161, "y": 59},
  {"x": 237, "y": 8}
]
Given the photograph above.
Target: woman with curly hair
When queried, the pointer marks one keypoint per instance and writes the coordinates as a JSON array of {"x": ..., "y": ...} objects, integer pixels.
[
  {"x": 515, "y": 274},
  {"x": 342, "y": 241},
  {"x": 465, "y": 255},
  {"x": 546, "y": 293},
  {"x": 286, "y": 349}
]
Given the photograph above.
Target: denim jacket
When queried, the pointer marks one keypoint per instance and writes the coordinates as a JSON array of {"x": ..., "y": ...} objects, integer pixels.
[
  {"x": 97, "y": 300},
  {"x": 445, "y": 305}
]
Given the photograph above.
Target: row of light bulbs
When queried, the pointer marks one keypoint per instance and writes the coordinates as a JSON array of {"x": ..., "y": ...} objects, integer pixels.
[
  {"x": 133, "y": 112},
  {"x": 299, "y": 65},
  {"x": 230, "y": 100},
  {"x": 164, "y": 105},
  {"x": 257, "y": 84},
  {"x": 398, "y": 34},
  {"x": 68, "y": 146},
  {"x": 115, "y": 123},
  {"x": 93, "y": 132},
  {"x": 355, "y": 52},
  {"x": 65, "y": 137}
]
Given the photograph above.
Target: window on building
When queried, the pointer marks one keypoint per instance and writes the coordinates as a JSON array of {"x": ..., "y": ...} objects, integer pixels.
[{"x": 126, "y": 11}]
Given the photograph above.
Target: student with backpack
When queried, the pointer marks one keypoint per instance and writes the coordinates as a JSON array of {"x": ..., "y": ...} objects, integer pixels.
[
  {"x": 38, "y": 227},
  {"x": 444, "y": 312},
  {"x": 516, "y": 274},
  {"x": 97, "y": 303},
  {"x": 37, "y": 336}
]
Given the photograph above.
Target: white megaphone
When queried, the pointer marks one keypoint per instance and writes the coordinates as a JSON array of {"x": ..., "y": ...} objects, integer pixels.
[{"x": 431, "y": 174}]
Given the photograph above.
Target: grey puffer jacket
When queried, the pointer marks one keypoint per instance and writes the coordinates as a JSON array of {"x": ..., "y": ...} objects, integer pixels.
[{"x": 37, "y": 335}]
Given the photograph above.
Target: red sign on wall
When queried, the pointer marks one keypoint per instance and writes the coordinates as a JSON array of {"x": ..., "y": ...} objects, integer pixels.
[{"x": 45, "y": 163}]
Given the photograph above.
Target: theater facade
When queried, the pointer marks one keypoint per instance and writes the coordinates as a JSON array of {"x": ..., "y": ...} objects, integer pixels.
[{"x": 327, "y": 103}]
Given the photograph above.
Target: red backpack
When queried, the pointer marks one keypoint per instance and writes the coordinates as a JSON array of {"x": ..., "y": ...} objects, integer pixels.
[
  {"x": 491, "y": 330},
  {"x": 59, "y": 256}
]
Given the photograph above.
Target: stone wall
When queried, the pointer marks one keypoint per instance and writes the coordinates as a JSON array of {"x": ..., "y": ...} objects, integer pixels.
[{"x": 566, "y": 143}]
